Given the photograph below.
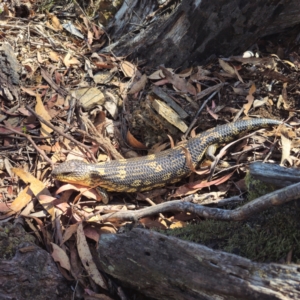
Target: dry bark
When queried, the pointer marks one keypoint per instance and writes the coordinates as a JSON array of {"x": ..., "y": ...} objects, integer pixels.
[
  {"x": 26, "y": 270},
  {"x": 275, "y": 174},
  {"x": 10, "y": 70},
  {"x": 165, "y": 267},
  {"x": 192, "y": 30}
]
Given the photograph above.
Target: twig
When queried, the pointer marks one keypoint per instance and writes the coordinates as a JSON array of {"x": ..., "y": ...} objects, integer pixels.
[
  {"x": 12, "y": 135},
  {"x": 275, "y": 198},
  {"x": 102, "y": 141},
  {"x": 28, "y": 137},
  {"x": 62, "y": 133},
  {"x": 11, "y": 110},
  {"x": 223, "y": 152},
  {"x": 198, "y": 113},
  {"x": 151, "y": 203}
]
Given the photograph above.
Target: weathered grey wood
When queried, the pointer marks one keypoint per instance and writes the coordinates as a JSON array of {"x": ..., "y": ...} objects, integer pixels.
[
  {"x": 275, "y": 198},
  {"x": 188, "y": 33},
  {"x": 32, "y": 275},
  {"x": 274, "y": 174},
  {"x": 165, "y": 267},
  {"x": 26, "y": 270}
]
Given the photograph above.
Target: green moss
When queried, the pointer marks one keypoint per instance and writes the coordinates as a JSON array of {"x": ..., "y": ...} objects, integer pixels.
[
  {"x": 257, "y": 188},
  {"x": 46, "y": 5},
  {"x": 266, "y": 237},
  {"x": 11, "y": 236}
]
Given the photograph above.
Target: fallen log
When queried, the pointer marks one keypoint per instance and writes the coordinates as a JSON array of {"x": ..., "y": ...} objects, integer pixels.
[
  {"x": 26, "y": 270},
  {"x": 183, "y": 32},
  {"x": 164, "y": 267},
  {"x": 274, "y": 174}
]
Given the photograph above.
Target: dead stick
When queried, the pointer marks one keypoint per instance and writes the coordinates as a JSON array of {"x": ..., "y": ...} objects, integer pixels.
[
  {"x": 62, "y": 133},
  {"x": 275, "y": 198},
  {"x": 151, "y": 203},
  {"x": 28, "y": 137}
]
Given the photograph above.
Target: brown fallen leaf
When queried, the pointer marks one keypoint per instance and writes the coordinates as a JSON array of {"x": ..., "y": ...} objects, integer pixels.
[
  {"x": 5, "y": 207},
  {"x": 283, "y": 98},
  {"x": 60, "y": 256},
  {"x": 24, "y": 197},
  {"x": 179, "y": 83},
  {"x": 69, "y": 60},
  {"x": 69, "y": 232},
  {"x": 150, "y": 223},
  {"x": 238, "y": 74},
  {"x": 85, "y": 191},
  {"x": 258, "y": 103},
  {"x": 242, "y": 91},
  {"x": 158, "y": 74},
  {"x": 128, "y": 69},
  {"x": 40, "y": 110},
  {"x": 138, "y": 86},
  {"x": 189, "y": 162},
  {"x": 29, "y": 91},
  {"x": 250, "y": 99},
  {"x": 104, "y": 65},
  {"x": 54, "y": 56},
  {"x": 276, "y": 75},
  {"x": 227, "y": 68},
  {"x": 178, "y": 224},
  {"x": 92, "y": 233},
  {"x": 55, "y": 22},
  {"x": 90, "y": 37},
  {"x": 287, "y": 135},
  {"x": 133, "y": 142},
  {"x": 191, "y": 188},
  {"x": 186, "y": 73},
  {"x": 211, "y": 112},
  {"x": 87, "y": 259},
  {"x": 161, "y": 82},
  {"x": 39, "y": 58},
  {"x": 38, "y": 189}
]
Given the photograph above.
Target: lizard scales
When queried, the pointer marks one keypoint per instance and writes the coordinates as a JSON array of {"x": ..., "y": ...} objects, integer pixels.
[{"x": 156, "y": 170}]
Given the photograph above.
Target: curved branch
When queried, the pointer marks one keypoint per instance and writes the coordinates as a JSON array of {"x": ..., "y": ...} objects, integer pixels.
[{"x": 275, "y": 198}]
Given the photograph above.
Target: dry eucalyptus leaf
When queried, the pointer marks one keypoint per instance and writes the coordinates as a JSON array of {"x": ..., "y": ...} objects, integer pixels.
[
  {"x": 286, "y": 149},
  {"x": 60, "y": 256},
  {"x": 128, "y": 68},
  {"x": 111, "y": 104},
  {"x": 87, "y": 259},
  {"x": 258, "y": 103},
  {"x": 179, "y": 83},
  {"x": 54, "y": 56},
  {"x": 286, "y": 140},
  {"x": 69, "y": 60},
  {"x": 139, "y": 85},
  {"x": 56, "y": 23},
  {"x": 41, "y": 111},
  {"x": 250, "y": 99},
  {"x": 38, "y": 189},
  {"x": 23, "y": 198},
  {"x": 133, "y": 142},
  {"x": 227, "y": 67},
  {"x": 186, "y": 73},
  {"x": 157, "y": 75},
  {"x": 70, "y": 230}
]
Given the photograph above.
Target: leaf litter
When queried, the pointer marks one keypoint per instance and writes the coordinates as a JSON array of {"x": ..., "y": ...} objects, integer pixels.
[{"x": 72, "y": 85}]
